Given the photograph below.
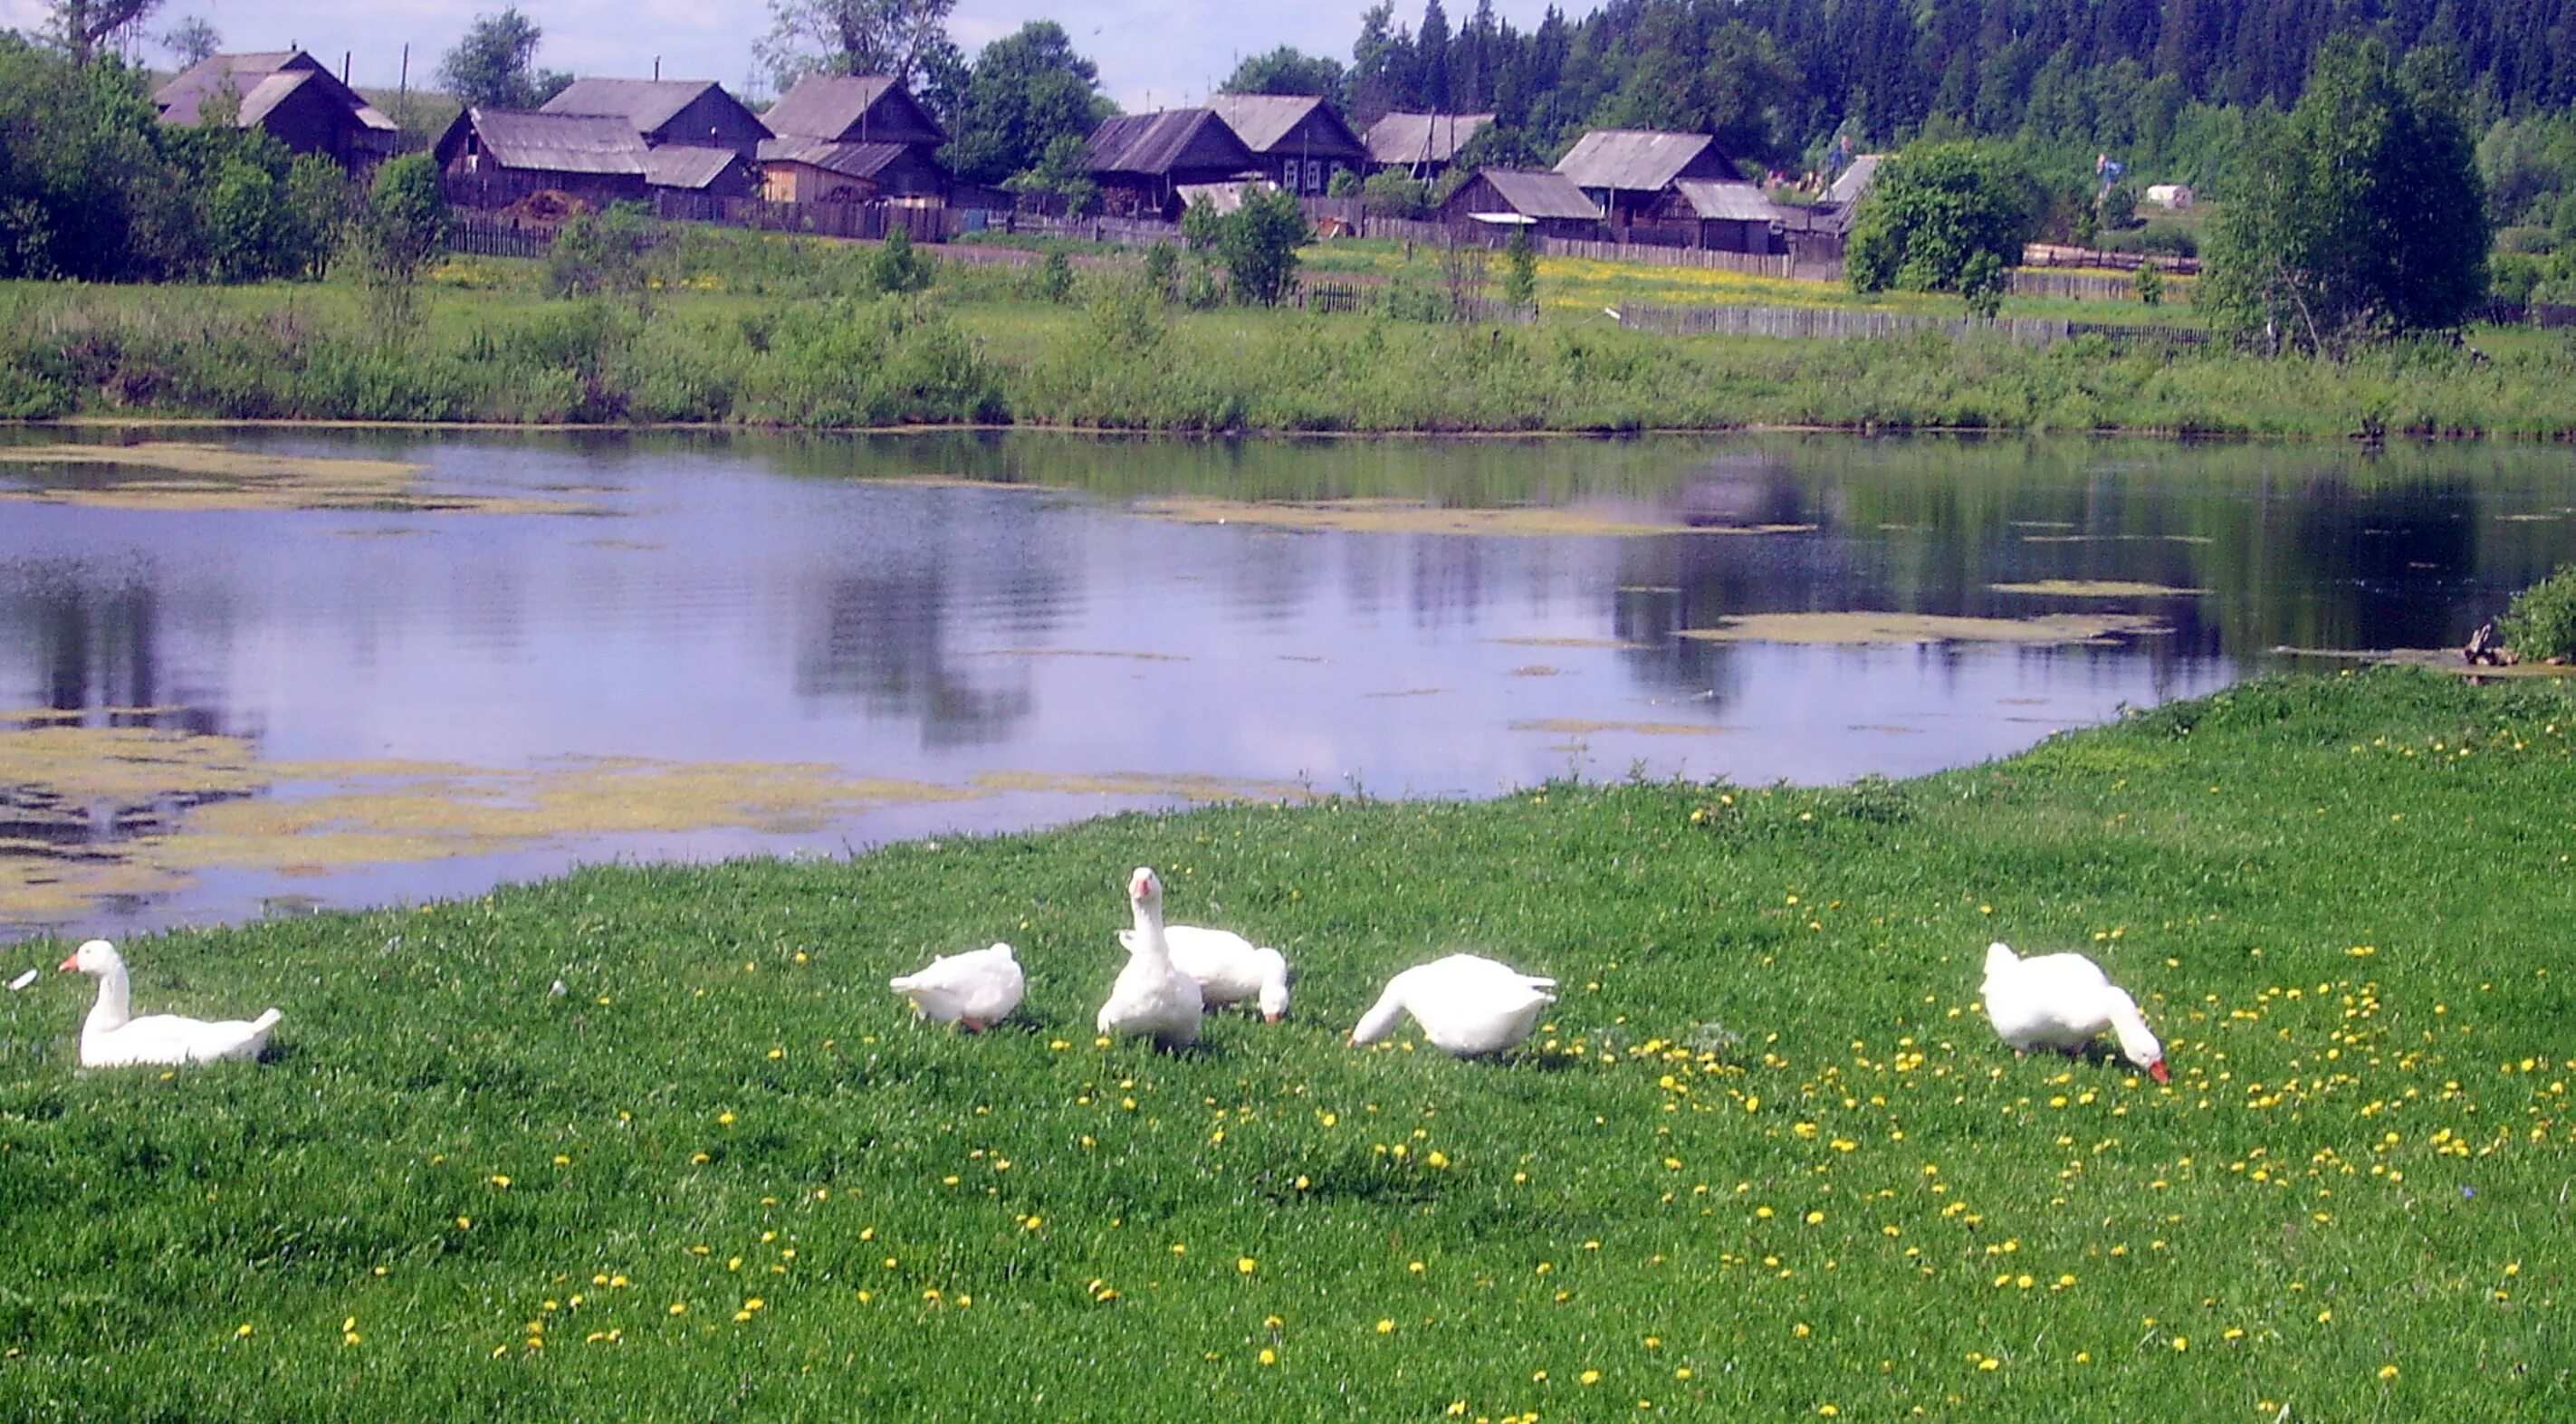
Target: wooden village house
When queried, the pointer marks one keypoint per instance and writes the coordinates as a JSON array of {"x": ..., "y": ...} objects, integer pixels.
[
  {"x": 1142, "y": 161},
  {"x": 1421, "y": 146},
  {"x": 287, "y": 94},
  {"x": 1297, "y": 141},
  {"x": 693, "y": 113},
  {"x": 1548, "y": 204},
  {"x": 852, "y": 138},
  {"x": 1630, "y": 171},
  {"x": 494, "y": 157}
]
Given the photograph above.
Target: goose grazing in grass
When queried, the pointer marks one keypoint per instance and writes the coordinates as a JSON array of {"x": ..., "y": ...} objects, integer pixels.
[
  {"x": 1466, "y": 1004},
  {"x": 1229, "y": 968},
  {"x": 112, "y": 1037},
  {"x": 974, "y": 990},
  {"x": 1152, "y": 998},
  {"x": 2062, "y": 1001}
]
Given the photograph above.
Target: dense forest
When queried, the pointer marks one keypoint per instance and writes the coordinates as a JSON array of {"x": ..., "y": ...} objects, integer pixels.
[{"x": 2165, "y": 85}]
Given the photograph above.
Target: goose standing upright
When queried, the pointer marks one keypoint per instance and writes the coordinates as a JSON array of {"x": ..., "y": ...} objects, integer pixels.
[
  {"x": 1152, "y": 998},
  {"x": 1466, "y": 1004},
  {"x": 2062, "y": 1001},
  {"x": 1229, "y": 968},
  {"x": 113, "y": 1038},
  {"x": 974, "y": 990}
]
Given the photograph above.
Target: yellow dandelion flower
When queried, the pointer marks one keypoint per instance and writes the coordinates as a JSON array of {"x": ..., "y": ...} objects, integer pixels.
[
  {"x": 1246, "y": 1265},
  {"x": 1269, "y": 1356},
  {"x": 2388, "y": 1372},
  {"x": 1386, "y": 1327},
  {"x": 1591, "y": 1377}
]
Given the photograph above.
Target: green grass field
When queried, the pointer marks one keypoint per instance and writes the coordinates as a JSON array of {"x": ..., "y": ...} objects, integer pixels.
[{"x": 1765, "y": 1160}]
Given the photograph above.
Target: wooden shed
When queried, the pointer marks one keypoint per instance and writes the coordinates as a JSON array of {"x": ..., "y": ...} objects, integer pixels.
[
  {"x": 1723, "y": 216},
  {"x": 707, "y": 172},
  {"x": 1298, "y": 140},
  {"x": 1421, "y": 146},
  {"x": 694, "y": 112},
  {"x": 804, "y": 170},
  {"x": 1629, "y": 171},
  {"x": 1549, "y": 204},
  {"x": 288, "y": 94},
  {"x": 494, "y": 157},
  {"x": 1141, "y": 161}
]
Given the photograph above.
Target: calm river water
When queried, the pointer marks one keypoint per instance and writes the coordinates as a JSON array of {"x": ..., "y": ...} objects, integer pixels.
[{"x": 215, "y": 705}]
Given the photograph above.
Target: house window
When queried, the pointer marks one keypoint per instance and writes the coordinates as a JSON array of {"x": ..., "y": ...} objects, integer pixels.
[{"x": 1314, "y": 175}]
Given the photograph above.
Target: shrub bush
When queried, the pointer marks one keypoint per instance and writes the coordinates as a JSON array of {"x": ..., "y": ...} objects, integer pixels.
[{"x": 2540, "y": 623}]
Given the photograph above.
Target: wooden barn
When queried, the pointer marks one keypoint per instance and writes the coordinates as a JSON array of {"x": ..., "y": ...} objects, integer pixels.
[
  {"x": 1141, "y": 161},
  {"x": 706, "y": 172},
  {"x": 1629, "y": 171},
  {"x": 1298, "y": 141},
  {"x": 1548, "y": 204},
  {"x": 288, "y": 94},
  {"x": 1421, "y": 146},
  {"x": 1723, "y": 216},
  {"x": 694, "y": 112},
  {"x": 494, "y": 157}
]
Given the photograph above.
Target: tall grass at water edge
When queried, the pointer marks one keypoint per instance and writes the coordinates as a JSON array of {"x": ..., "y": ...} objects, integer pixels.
[
  {"x": 1121, "y": 363},
  {"x": 1763, "y": 1160}
]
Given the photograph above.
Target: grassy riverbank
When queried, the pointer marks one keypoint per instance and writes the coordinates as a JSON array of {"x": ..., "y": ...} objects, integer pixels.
[
  {"x": 1765, "y": 1162},
  {"x": 813, "y": 348}
]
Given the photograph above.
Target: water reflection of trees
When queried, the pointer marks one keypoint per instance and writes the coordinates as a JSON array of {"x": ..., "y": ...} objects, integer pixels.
[
  {"x": 881, "y": 621},
  {"x": 94, "y": 640}
]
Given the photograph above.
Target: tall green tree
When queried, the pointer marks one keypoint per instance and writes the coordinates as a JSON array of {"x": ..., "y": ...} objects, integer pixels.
[
  {"x": 191, "y": 40},
  {"x": 81, "y": 26},
  {"x": 1945, "y": 217},
  {"x": 2359, "y": 215},
  {"x": 1287, "y": 70},
  {"x": 890, "y": 37},
  {"x": 495, "y": 65},
  {"x": 401, "y": 230},
  {"x": 1024, "y": 92}
]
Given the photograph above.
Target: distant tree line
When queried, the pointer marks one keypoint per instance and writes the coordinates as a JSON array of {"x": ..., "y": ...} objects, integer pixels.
[{"x": 1779, "y": 80}]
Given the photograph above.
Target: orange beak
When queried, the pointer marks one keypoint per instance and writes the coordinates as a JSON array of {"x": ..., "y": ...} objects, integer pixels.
[
  {"x": 70, "y": 965},
  {"x": 1270, "y": 1018},
  {"x": 2158, "y": 1071}
]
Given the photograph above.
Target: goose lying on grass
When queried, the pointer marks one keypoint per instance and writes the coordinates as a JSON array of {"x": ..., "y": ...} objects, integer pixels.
[
  {"x": 1466, "y": 1004},
  {"x": 974, "y": 990},
  {"x": 1229, "y": 968},
  {"x": 2062, "y": 1001},
  {"x": 112, "y": 1037},
  {"x": 1152, "y": 998}
]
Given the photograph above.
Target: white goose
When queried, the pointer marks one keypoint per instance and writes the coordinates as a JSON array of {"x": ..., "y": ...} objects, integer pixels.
[
  {"x": 1228, "y": 967},
  {"x": 1466, "y": 1004},
  {"x": 112, "y": 1037},
  {"x": 1152, "y": 998},
  {"x": 974, "y": 990},
  {"x": 2062, "y": 1001}
]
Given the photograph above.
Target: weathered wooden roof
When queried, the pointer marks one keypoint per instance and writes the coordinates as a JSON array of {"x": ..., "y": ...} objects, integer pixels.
[
  {"x": 1225, "y": 198},
  {"x": 1538, "y": 193},
  {"x": 850, "y": 160},
  {"x": 261, "y": 81},
  {"x": 1855, "y": 180},
  {"x": 1713, "y": 200},
  {"x": 853, "y": 108},
  {"x": 1638, "y": 160},
  {"x": 647, "y": 104},
  {"x": 549, "y": 143},
  {"x": 681, "y": 165},
  {"x": 1278, "y": 125},
  {"x": 1421, "y": 138},
  {"x": 1160, "y": 143}
]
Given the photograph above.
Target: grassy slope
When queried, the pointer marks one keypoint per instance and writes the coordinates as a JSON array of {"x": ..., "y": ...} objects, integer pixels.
[
  {"x": 2344, "y": 901},
  {"x": 749, "y": 341}
]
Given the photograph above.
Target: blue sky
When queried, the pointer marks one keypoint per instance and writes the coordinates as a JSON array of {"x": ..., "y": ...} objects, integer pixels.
[{"x": 1151, "y": 53}]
